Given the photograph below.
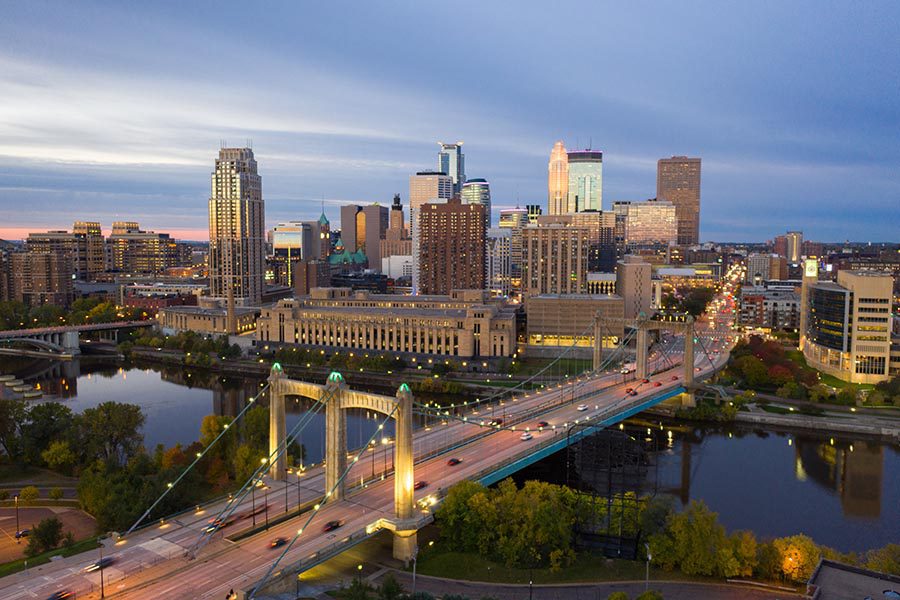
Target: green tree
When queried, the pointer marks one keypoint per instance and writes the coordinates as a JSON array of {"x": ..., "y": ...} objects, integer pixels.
[
  {"x": 45, "y": 536},
  {"x": 46, "y": 423},
  {"x": 390, "y": 588},
  {"x": 246, "y": 461},
  {"x": 28, "y": 495},
  {"x": 617, "y": 596},
  {"x": 359, "y": 589},
  {"x": 752, "y": 370},
  {"x": 884, "y": 560},
  {"x": 59, "y": 456},
  {"x": 457, "y": 519},
  {"x": 56, "y": 493},
  {"x": 744, "y": 550},
  {"x": 650, "y": 595},
  {"x": 111, "y": 431},
  {"x": 256, "y": 428},
  {"x": 694, "y": 541},
  {"x": 13, "y": 416}
]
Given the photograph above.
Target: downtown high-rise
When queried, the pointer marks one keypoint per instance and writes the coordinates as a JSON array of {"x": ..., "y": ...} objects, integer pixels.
[
  {"x": 678, "y": 181},
  {"x": 452, "y": 162},
  {"x": 237, "y": 233},
  {"x": 424, "y": 187},
  {"x": 585, "y": 188},
  {"x": 558, "y": 180}
]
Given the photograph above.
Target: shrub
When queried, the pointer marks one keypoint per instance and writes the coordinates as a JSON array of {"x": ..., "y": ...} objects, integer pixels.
[
  {"x": 617, "y": 596},
  {"x": 29, "y": 495},
  {"x": 650, "y": 595},
  {"x": 56, "y": 493}
]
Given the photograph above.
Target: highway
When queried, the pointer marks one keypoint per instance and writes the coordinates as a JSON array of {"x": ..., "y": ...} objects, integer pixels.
[{"x": 151, "y": 563}]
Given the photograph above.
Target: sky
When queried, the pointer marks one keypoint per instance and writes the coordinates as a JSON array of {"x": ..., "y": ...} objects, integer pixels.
[{"x": 116, "y": 111}]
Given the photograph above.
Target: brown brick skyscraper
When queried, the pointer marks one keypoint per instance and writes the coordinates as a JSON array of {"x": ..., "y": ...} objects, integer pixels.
[
  {"x": 451, "y": 247},
  {"x": 678, "y": 181}
]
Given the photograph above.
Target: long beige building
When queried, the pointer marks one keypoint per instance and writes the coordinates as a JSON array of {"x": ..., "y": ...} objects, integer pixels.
[
  {"x": 465, "y": 323},
  {"x": 848, "y": 326}
]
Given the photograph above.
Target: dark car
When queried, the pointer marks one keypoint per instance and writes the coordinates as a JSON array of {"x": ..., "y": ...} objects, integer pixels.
[
  {"x": 633, "y": 393},
  {"x": 61, "y": 595},
  {"x": 331, "y": 525},
  {"x": 278, "y": 542},
  {"x": 645, "y": 380},
  {"x": 100, "y": 564},
  {"x": 674, "y": 377},
  {"x": 496, "y": 422},
  {"x": 23, "y": 533},
  {"x": 543, "y": 424},
  {"x": 420, "y": 485},
  {"x": 453, "y": 462},
  {"x": 628, "y": 390},
  {"x": 657, "y": 384}
]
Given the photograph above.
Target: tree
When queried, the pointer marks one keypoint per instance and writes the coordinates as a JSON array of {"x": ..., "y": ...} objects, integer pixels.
[
  {"x": 650, "y": 595},
  {"x": 246, "y": 462},
  {"x": 359, "y": 589},
  {"x": 256, "y": 428},
  {"x": 779, "y": 375},
  {"x": 13, "y": 415},
  {"x": 694, "y": 541},
  {"x": 799, "y": 556},
  {"x": 59, "y": 456},
  {"x": 45, "y": 536},
  {"x": 744, "y": 550},
  {"x": 46, "y": 423},
  {"x": 111, "y": 431},
  {"x": 884, "y": 560},
  {"x": 456, "y": 519},
  {"x": 617, "y": 596},
  {"x": 56, "y": 493},
  {"x": 753, "y": 370},
  {"x": 390, "y": 588},
  {"x": 28, "y": 495}
]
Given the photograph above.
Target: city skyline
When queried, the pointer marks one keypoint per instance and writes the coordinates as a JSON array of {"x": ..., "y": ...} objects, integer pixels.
[{"x": 92, "y": 131}]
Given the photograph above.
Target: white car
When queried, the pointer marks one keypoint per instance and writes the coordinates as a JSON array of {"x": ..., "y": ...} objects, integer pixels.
[
  {"x": 582, "y": 407},
  {"x": 525, "y": 436}
]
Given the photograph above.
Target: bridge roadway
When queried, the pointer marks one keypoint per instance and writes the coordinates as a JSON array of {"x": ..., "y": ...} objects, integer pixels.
[
  {"x": 19, "y": 333},
  {"x": 150, "y": 563}
]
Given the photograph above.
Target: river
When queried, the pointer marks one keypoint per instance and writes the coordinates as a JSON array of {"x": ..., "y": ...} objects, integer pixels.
[{"x": 841, "y": 491}]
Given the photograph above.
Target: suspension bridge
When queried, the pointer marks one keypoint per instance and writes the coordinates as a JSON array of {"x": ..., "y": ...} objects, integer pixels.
[{"x": 318, "y": 511}]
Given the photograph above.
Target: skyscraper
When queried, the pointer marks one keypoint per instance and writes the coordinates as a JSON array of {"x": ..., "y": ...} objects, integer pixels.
[
  {"x": 555, "y": 256},
  {"x": 424, "y": 186},
  {"x": 648, "y": 222},
  {"x": 478, "y": 191},
  {"x": 452, "y": 162},
  {"x": 452, "y": 247},
  {"x": 499, "y": 265},
  {"x": 515, "y": 219},
  {"x": 678, "y": 181},
  {"x": 363, "y": 227},
  {"x": 633, "y": 285},
  {"x": 558, "y": 180},
  {"x": 794, "y": 246},
  {"x": 237, "y": 236},
  {"x": 585, "y": 180}
]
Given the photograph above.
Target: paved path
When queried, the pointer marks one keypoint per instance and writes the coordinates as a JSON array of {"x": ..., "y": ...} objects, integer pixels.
[{"x": 671, "y": 590}]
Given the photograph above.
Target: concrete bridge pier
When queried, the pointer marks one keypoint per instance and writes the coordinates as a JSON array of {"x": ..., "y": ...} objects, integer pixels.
[
  {"x": 640, "y": 361},
  {"x": 405, "y": 537},
  {"x": 277, "y": 428},
  {"x": 335, "y": 438}
]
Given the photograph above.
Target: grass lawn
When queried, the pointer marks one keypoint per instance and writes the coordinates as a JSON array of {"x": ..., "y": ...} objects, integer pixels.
[
  {"x": 13, "y": 475},
  {"x": 587, "y": 567},
  {"x": 19, "y": 565},
  {"x": 830, "y": 380}
]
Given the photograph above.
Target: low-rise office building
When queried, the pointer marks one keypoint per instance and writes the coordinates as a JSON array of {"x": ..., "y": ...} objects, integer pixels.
[
  {"x": 848, "y": 326},
  {"x": 557, "y": 322},
  {"x": 208, "y": 319},
  {"x": 466, "y": 323},
  {"x": 770, "y": 308}
]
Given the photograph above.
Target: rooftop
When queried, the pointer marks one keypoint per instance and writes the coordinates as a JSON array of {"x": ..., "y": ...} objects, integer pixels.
[{"x": 837, "y": 581}]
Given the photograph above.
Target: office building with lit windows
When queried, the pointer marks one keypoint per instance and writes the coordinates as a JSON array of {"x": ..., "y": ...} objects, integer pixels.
[
  {"x": 452, "y": 162},
  {"x": 558, "y": 180},
  {"x": 451, "y": 247},
  {"x": 646, "y": 223},
  {"x": 424, "y": 186},
  {"x": 585, "y": 187},
  {"x": 362, "y": 228},
  {"x": 555, "y": 256},
  {"x": 848, "y": 326},
  {"x": 237, "y": 234},
  {"x": 678, "y": 181},
  {"x": 478, "y": 191},
  {"x": 463, "y": 323}
]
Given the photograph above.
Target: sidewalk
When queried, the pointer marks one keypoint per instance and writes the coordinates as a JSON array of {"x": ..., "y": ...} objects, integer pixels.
[{"x": 671, "y": 590}]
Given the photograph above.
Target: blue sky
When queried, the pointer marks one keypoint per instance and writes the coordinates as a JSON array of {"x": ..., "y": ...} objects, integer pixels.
[{"x": 116, "y": 110}]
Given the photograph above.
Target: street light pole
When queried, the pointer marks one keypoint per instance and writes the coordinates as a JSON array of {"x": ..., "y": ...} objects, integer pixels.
[
  {"x": 267, "y": 509},
  {"x": 102, "y": 589},
  {"x": 414, "y": 557},
  {"x": 253, "y": 500},
  {"x": 18, "y": 529},
  {"x": 647, "y": 574}
]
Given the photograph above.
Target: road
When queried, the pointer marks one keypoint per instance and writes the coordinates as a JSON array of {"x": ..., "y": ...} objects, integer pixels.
[{"x": 150, "y": 563}]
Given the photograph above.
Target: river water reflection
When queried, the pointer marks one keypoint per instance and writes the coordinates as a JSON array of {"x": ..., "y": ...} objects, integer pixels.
[{"x": 843, "y": 492}]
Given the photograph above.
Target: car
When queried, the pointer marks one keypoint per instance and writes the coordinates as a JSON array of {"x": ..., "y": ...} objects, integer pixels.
[
  {"x": 453, "y": 462},
  {"x": 331, "y": 525},
  {"x": 582, "y": 407},
  {"x": 100, "y": 564},
  {"x": 525, "y": 436},
  {"x": 628, "y": 390},
  {"x": 543, "y": 424},
  {"x": 61, "y": 595},
  {"x": 496, "y": 422},
  {"x": 419, "y": 485},
  {"x": 674, "y": 377},
  {"x": 23, "y": 533},
  {"x": 625, "y": 371},
  {"x": 278, "y": 542},
  {"x": 657, "y": 383},
  {"x": 645, "y": 380},
  {"x": 633, "y": 393}
]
